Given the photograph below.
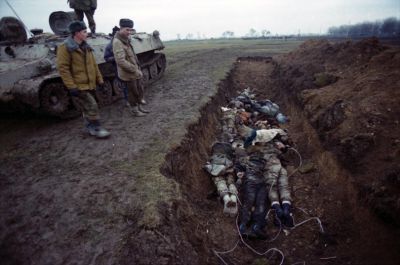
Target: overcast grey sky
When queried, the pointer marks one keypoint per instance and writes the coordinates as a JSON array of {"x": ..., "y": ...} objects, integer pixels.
[{"x": 210, "y": 18}]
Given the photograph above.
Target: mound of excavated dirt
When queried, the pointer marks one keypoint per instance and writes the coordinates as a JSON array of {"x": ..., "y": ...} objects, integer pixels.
[{"x": 350, "y": 93}]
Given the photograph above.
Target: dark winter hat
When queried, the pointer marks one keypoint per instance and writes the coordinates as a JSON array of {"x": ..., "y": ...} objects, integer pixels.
[
  {"x": 76, "y": 26},
  {"x": 126, "y": 23}
]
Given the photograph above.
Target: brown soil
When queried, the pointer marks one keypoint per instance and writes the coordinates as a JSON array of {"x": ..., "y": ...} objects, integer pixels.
[{"x": 141, "y": 197}]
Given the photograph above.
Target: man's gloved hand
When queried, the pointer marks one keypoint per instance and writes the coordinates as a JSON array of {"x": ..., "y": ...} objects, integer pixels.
[{"x": 74, "y": 92}]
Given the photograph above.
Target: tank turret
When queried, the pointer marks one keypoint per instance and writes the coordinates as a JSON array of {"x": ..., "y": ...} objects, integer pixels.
[{"x": 30, "y": 81}]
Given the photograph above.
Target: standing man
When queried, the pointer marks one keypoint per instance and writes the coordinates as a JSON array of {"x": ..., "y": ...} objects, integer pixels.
[
  {"x": 128, "y": 66},
  {"x": 86, "y": 7},
  {"x": 80, "y": 74},
  {"x": 109, "y": 57}
]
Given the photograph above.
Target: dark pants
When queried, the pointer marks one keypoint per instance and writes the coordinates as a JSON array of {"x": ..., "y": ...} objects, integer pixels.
[
  {"x": 135, "y": 91},
  {"x": 254, "y": 194},
  {"x": 89, "y": 15},
  {"x": 124, "y": 88}
]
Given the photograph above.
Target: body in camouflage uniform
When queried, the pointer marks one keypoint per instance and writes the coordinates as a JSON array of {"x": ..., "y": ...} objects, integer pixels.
[
  {"x": 276, "y": 179},
  {"x": 275, "y": 175},
  {"x": 220, "y": 167}
]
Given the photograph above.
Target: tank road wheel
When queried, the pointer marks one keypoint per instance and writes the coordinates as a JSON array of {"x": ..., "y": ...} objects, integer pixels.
[
  {"x": 161, "y": 64},
  {"x": 153, "y": 71},
  {"x": 117, "y": 90},
  {"x": 105, "y": 97},
  {"x": 54, "y": 99}
]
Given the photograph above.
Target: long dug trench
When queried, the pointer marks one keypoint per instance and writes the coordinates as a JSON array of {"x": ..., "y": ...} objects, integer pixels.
[{"x": 323, "y": 188}]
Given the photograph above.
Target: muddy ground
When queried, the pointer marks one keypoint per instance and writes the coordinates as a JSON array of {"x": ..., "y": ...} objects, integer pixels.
[{"x": 141, "y": 197}]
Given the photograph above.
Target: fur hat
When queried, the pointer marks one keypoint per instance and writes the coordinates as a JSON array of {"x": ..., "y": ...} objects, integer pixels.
[
  {"x": 76, "y": 26},
  {"x": 126, "y": 23}
]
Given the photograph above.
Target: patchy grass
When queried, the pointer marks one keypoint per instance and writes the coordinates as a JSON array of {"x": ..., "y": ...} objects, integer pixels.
[{"x": 181, "y": 53}]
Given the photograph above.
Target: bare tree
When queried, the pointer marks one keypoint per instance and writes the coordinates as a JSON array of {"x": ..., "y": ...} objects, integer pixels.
[
  {"x": 252, "y": 33},
  {"x": 189, "y": 36},
  {"x": 265, "y": 33},
  {"x": 389, "y": 27},
  {"x": 228, "y": 34}
]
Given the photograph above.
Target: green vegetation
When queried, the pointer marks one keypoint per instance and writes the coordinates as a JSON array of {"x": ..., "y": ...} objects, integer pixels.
[{"x": 178, "y": 52}]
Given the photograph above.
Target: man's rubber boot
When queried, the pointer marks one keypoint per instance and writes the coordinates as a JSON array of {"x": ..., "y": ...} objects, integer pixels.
[
  {"x": 257, "y": 232},
  {"x": 232, "y": 206},
  {"x": 278, "y": 218},
  {"x": 227, "y": 202},
  {"x": 143, "y": 109},
  {"x": 287, "y": 215},
  {"x": 94, "y": 128},
  {"x": 136, "y": 112}
]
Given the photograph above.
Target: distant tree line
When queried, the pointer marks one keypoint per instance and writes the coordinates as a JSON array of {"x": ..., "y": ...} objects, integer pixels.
[{"x": 389, "y": 27}]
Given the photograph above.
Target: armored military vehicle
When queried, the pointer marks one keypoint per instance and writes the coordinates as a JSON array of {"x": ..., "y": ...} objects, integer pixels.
[{"x": 29, "y": 80}]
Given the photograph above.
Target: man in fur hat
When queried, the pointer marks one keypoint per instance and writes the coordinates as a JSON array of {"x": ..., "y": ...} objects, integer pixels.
[
  {"x": 128, "y": 67},
  {"x": 79, "y": 71}
]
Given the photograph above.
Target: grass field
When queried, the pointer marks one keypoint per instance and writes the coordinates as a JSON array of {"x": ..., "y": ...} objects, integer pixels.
[{"x": 224, "y": 52}]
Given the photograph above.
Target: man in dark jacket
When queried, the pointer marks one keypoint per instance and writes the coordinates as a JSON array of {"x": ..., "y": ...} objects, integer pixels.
[
  {"x": 79, "y": 71},
  {"x": 86, "y": 7}
]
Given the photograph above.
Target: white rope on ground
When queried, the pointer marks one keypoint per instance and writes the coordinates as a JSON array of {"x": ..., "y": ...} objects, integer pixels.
[
  {"x": 237, "y": 198},
  {"x": 300, "y": 161},
  {"x": 280, "y": 227},
  {"x": 255, "y": 251},
  {"x": 334, "y": 257},
  {"x": 310, "y": 219},
  {"x": 217, "y": 253}
]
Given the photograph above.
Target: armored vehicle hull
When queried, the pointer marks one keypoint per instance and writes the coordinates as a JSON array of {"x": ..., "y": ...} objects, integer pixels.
[{"x": 29, "y": 80}]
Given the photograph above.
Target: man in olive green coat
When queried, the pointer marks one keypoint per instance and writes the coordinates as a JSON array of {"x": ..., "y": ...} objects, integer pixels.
[
  {"x": 86, "y": 7},
  {"x": 79, "y": 71},
  {"x": 128, "y": 66}
]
